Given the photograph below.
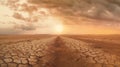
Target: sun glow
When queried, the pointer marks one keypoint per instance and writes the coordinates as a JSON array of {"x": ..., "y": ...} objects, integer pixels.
[
  {"x": 58, "y": 28},
  {"x": 55, "y": 24}
]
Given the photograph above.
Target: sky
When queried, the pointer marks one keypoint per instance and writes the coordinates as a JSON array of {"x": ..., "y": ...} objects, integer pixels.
[{"x": 59, "y": 16}]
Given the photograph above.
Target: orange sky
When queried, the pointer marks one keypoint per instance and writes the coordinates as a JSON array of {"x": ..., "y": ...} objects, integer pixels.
[{"x": 22, "y": 17}]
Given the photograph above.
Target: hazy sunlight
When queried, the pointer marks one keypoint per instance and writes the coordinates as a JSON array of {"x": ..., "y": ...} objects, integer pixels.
[{"x": 59, "y": 28}]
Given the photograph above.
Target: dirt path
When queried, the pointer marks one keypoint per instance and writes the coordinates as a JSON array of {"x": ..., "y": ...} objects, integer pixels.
[{"x": 62, "y": 56}]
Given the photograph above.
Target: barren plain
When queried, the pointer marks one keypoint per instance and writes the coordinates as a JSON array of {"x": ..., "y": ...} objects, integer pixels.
[{"x": 59, "y": 51}]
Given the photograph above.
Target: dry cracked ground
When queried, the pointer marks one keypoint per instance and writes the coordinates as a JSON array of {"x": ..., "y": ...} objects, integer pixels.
[{"x": 55, "y": 51}]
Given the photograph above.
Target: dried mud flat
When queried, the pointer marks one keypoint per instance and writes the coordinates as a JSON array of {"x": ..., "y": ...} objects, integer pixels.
[{"x": 55, "y": 52}]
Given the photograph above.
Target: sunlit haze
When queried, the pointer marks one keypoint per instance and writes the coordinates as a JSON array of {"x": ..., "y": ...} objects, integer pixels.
[
  {"x": 64, "y": 17},
  {"x": 59, "y": 28}
]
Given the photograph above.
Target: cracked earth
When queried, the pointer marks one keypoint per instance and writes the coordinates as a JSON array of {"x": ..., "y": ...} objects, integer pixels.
[{"x": 55, "y": 52}]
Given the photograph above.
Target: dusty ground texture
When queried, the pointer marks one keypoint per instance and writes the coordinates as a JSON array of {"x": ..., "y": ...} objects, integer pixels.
[{"x": 57, "y": 51}]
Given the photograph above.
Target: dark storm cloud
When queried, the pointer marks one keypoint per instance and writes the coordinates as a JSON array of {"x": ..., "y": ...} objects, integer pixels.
[{"x": 108, "y": 10}]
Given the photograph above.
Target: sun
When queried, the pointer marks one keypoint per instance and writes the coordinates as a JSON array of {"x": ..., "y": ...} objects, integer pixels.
[{"x": 58, "y": 28}]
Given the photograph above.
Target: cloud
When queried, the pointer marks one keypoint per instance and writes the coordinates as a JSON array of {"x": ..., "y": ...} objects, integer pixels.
[
  {"x": 30, "y": 15},
  {"x": 28, "y": 8},
  {"x": 27, "y": 27},
  {"x": 106, "y": 10},
  {"x": 95, "y": 9},
  {"x": 18, "y": 16}
]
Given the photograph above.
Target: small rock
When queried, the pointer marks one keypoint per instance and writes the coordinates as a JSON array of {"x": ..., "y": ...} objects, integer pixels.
[
  {"x": 24, "y": 61},
  {"x": 17, "y": 61},
  {"x": 8, "y": 60}
]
